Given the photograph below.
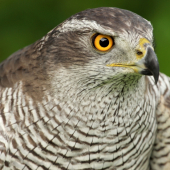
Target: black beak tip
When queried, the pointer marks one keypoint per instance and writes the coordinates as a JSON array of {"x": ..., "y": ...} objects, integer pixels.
[
  {"x": 156, "y": 77},
  {"x": 149, "y": 73},
  {"x": 155, "y": 70}
]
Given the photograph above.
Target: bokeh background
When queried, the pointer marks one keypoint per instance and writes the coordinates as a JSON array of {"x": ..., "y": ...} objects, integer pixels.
[{"x": 22, "y": 22}]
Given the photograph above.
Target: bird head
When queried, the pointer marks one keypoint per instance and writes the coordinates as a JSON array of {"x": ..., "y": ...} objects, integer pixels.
[{"x": 103, "y": 43}]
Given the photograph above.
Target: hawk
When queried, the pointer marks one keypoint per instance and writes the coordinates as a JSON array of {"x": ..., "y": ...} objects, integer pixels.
[{"x": 88, "y": 95}]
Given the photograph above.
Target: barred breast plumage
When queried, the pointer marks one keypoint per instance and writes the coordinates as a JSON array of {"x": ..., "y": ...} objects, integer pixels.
[{"x": 67, "y": 105}]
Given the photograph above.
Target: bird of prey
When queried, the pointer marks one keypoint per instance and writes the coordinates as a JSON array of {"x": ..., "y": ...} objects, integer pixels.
[{"x": 87, "y": 96}]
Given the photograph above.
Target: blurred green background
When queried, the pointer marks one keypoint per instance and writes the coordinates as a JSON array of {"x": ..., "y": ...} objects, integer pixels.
[{"x": 22, "y": 22}]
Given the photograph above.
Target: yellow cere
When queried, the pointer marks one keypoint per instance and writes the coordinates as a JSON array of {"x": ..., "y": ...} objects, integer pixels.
[
  {"x": 98, "y": 45},
  {"x": 141, "y": 48}
]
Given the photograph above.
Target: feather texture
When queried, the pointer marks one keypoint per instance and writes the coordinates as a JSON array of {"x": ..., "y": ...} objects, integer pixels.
[{"x": 61, "y": 107}]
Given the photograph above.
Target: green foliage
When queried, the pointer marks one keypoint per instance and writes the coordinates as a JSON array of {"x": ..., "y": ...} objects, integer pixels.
[{"x": 24, "y": 22}]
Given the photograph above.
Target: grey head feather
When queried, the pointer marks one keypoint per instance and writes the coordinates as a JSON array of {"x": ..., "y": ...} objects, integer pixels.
[{"x": 34, "y": 63}]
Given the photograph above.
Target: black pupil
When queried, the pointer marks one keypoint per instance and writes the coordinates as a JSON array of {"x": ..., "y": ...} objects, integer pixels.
[{"x": 104, "y": 42}]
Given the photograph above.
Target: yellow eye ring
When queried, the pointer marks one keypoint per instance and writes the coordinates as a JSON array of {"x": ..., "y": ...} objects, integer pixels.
[{"x": 103, "y": 42}]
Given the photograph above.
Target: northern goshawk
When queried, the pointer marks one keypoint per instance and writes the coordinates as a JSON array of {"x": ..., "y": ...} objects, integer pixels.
[{"x": 88, "y": 95}]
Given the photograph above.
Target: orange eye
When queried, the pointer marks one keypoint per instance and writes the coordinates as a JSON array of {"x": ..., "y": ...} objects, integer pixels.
[{"x": 103, "y": 42}]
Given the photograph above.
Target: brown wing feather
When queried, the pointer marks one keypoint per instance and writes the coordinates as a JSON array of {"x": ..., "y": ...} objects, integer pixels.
[
  {"x": 26, "y": 65},
  {"x": 18, "y": 66}
]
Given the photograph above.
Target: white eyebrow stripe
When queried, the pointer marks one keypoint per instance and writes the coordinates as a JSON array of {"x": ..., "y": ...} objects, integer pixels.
[{"x": 75, "y": 24}]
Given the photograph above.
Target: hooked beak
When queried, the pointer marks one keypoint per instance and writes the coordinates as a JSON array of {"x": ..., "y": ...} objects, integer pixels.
[
  {"x": 151, "y": 64},
  {"x": 145, "y": 64}
]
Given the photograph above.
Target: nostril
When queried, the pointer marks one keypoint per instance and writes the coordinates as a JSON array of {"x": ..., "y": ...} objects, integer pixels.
[{"x": 138, "y": 52}]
